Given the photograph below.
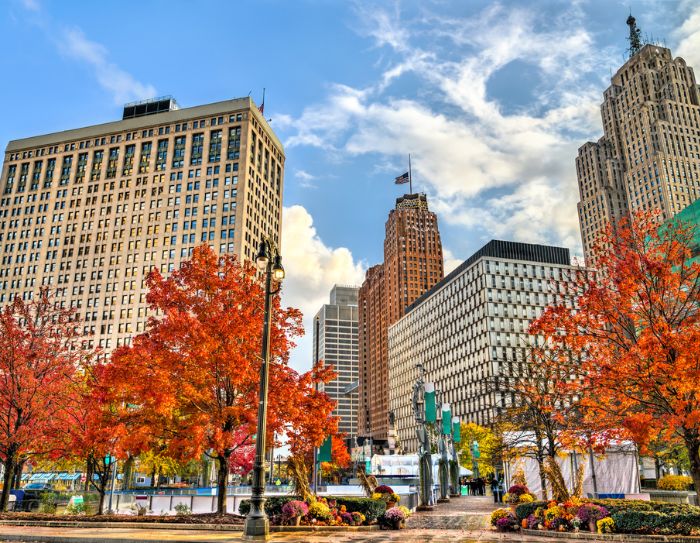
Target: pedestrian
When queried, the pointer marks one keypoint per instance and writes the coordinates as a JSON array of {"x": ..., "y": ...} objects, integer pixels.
[{"x": 494, "y": 489}]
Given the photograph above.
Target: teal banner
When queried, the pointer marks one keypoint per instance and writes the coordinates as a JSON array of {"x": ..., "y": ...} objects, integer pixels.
[
  {"x": 324, "y": 453},
  {"x": 430, "y": 406},
  {"x": 446, "y": 419},
  {"x": 456, "y": 429}
]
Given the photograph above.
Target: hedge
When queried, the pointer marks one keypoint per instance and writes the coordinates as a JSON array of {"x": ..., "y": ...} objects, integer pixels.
[
  {"x": 655, "y": 523},
  {"x": 273, "y": 505},
  {"x": 371, "y": 509}
]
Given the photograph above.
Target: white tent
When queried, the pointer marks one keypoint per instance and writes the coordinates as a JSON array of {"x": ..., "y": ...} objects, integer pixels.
[
  {"x": 388, "y": 465},
  {"x": 616, "y": 470}
]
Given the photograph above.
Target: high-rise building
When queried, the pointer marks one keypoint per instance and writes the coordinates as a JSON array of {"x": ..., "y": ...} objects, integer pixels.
[
  {"x": 649, "y": 155},
  {"x": 413, "y": 263},
  {"x": 470, "y": 331},
  {"x": 335, "y": 343},
  {"x": 89, "y": 212}
]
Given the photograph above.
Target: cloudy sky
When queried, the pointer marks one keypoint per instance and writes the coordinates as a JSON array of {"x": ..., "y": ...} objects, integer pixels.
[{"x": 492, "y": 100}]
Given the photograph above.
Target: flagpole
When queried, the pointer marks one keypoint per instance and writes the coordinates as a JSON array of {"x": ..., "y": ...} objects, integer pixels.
[{"x": 410, "y": 177}]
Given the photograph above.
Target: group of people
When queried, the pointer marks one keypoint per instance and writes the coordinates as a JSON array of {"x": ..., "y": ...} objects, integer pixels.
[{"x": 475, "y": 487}]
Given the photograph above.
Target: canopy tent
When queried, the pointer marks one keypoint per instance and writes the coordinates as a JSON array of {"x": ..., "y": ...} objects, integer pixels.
[
  {"x": 405, "y": 465},
  {"x": 616, "y": 471},
  {"x": 45, "y": 477}
]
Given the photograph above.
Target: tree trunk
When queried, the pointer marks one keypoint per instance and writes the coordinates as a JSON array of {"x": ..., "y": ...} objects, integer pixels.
[
  {"x": 17, "y": 475},
  {"x": 692, "y": 442},
  {"x": 153, "y": 477},
  {"x": 221, "y": 478},
  {"x": 89, "y": 472},
  {"x": 101, "y": 504},
  {"x": 158, "y": 477},
  {"x": 10, "y": 462},
  {"x": 128, "y": 472},
  {"x": 7, "y": 482}
]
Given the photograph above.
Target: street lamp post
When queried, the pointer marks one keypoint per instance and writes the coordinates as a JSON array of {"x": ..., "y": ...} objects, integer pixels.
[{"x": 257, "y": 525}]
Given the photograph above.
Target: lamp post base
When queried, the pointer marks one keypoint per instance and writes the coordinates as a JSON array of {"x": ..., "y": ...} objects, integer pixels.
[
  {"x": 256, "y": 529},
  {"x": 443, "y": 500}
]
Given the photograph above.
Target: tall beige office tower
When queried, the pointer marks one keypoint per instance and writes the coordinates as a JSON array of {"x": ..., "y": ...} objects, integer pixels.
[
  {"x": 89, "y": 212},
  {"x": 649, "y": 155}
]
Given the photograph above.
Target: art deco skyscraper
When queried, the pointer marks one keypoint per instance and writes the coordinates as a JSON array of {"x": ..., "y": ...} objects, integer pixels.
[
  {"x": 412, "y": 264},
  {"x": 649, "y": 155},
  {"x": 89, "y": 212}
]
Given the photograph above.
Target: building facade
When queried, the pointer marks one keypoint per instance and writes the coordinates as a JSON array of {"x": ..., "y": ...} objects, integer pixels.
[
  {"x": 413, "y": 263},
  {"x": 649, "y": 155},
  {"x": 335, "y": 343},
  {"x": 470, "y": 330},
  {"x": 90, "y": 212}
]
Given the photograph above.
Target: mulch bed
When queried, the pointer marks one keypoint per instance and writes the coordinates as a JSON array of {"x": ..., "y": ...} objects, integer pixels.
[{"x": 205, "y": 518}]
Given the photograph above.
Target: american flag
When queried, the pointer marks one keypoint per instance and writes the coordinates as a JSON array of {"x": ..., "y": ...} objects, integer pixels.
[{"x": 401, "y": 179}]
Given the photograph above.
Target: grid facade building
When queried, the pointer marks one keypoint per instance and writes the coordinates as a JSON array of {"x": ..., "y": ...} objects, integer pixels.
[
  {"x": 413, "y": 263},
  {"x": 649, "y": 155},
  {"x": 90, "y": 212},
  {"x": 470, "y": 330},
  {"x": 336, "y": 344}
]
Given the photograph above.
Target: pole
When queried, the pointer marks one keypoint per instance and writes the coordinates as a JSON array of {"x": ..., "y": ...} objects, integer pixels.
[
  {"x": 111, "y": 484},
  {"x": 257, "y": 525},
  {"x": 410, "y": 175}
]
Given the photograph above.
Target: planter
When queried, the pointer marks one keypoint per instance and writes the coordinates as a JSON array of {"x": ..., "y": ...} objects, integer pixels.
[
  {"x": 592, "y": 526},
  {"x": 297, "y": 520}
]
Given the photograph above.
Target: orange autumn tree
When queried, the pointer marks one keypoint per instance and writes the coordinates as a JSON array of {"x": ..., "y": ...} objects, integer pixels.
[
  {"x": 637, "y": 331},
  {"x": 191, "y": 380},
  {"x": 40, "y": 348},
  {"x": 340, "y": 459}
]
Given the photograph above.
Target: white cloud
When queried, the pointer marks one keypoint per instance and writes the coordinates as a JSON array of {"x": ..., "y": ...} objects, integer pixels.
[
  {"x": 305, "y": 179},
  {"x": 508, "y": 172},
  {"x": 312, "y": 268},
  {"x": 31, "y": 5},
  {"x": 450, "y": 262},
  {"x": 688, "y": 35},
  {"x": 122, "y": 85}
]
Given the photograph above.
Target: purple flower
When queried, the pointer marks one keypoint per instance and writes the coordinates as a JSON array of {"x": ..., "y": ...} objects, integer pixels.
[
  {"x": 295, "y": 508},
  {"x": 347, "y": 518},
  {"x": 591, "y": 511}
]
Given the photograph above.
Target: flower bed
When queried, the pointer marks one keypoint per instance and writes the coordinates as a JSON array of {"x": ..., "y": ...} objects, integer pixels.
[
  {"x": 330, "y": 511},
  {"x": 609, "y": 516}
]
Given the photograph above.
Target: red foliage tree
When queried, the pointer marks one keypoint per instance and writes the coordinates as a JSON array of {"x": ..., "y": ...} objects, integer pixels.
[
  {"x": 191, "y": 380},
  {"x": 39, "y": 353},
  {"x": 636, "y": 330}
]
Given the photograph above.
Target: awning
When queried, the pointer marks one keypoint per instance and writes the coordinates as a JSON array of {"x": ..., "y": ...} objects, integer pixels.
[
  {"x": 68, "y": 476},
  {"x": 42, "y": 477}
]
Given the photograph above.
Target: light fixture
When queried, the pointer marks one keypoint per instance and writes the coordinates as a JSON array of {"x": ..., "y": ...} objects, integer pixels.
[
  {"x": 262, "y": 259},
  {"x": 277, "y": 269}
]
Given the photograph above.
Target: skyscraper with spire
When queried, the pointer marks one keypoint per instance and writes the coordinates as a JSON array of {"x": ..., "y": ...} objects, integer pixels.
[
  {"x": 649, "y": 155},
  {"x": 412, "y": 265}
]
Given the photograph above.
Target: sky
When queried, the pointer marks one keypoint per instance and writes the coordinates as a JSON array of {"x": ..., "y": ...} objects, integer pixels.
[{"x": 491, "y": 99}]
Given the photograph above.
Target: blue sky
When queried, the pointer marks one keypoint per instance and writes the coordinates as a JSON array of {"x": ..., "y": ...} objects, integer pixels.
[{"x": 491, "y": 98}]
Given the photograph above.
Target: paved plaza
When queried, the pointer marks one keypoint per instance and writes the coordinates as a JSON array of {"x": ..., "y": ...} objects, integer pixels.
[{"x": 463, "y": 519}]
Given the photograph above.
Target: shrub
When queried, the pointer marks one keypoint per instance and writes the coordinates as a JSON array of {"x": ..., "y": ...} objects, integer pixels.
[
  {"x": 371, "y": 509},
  {"x": 674, "y": 482},
  {"x": 273, "y": 505},
  {"x": 518, "y": 490},
  {"x": 605, "y": 525},
  {"x": 614, "y": 506},
  {"x": 524, "y": 510},
  {"x": 655, "y": 523},
  {"x": 47, "y": 503},
  {"x": 295, "y": 508},
  {"x": 499, "y": 514},
  {"x": 320, "y": 511},
  {"x": 675, "y": 508},
  {"x": 590, "y": 511},
  {"x": 182, "y": 509},
  {"x": 76, "y": 508},
  {"x": 358, "y": 518}
]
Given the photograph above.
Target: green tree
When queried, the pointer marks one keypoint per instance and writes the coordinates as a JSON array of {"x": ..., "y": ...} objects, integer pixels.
[{"x": 488, "y": 445}]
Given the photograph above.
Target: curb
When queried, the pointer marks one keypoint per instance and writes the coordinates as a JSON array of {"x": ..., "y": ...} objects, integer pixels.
[
  {"x": 125, "y": 525},
  {"x": 589, "y": 536}
]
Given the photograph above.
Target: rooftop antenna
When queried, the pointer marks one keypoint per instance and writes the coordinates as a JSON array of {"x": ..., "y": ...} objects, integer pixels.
[{"x": 634, "y": 37}]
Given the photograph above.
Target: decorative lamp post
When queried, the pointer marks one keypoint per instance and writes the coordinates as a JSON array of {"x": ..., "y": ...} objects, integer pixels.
[
  {"x": 454, "y": 462},
  {"x": 443, "y": 463},
  {"x": 257, "y": 525},
  {"x": 423, "y": 415}
]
